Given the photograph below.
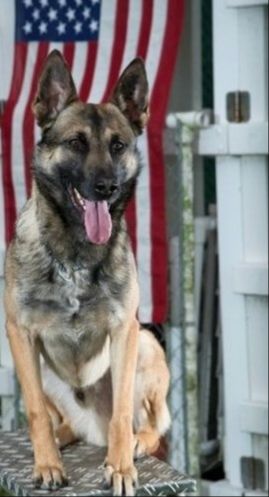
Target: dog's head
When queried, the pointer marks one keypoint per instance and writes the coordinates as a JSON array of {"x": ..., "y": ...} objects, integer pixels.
[{"x": 86, "y": 163}]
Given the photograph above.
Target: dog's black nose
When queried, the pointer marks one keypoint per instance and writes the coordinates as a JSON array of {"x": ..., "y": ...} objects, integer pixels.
[{"x": 106, "y": 187}]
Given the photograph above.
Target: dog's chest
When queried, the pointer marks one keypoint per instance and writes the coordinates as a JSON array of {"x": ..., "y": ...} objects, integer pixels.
[
  {"x": 74, "y": 338},
  {"x": 101, "y": 299}
]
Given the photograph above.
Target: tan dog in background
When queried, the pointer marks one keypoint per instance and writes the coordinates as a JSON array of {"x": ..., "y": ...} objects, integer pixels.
[{"x": 71, "y": 285}]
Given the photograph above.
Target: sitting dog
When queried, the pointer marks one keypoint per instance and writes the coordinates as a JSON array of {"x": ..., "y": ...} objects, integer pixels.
[{"x": 71, "y": 286}]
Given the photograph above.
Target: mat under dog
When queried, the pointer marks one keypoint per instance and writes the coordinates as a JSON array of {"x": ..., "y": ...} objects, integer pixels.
[{"x": 84, "y": 466}]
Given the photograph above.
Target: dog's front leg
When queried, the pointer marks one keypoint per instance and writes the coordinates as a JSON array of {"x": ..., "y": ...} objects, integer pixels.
[
  {"x": 48, "y": 470},
  {"x": 120, "y": 470}
]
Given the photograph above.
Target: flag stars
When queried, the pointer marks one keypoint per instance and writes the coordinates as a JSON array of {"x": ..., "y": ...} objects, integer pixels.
[
  {"x": 61, "y": 28},
  {"x": 43, "y": 27},
  {"x": 43, "y": 3},
  {"x": 86, "y": 13},
  {"x": 28, "y": 3},
  {"x": 78, "y": 27},
  {"x": 94, "y": 26},
  {"x": 71, "y": 15},
  {"x": 52, "y": 14},
  {"x": 36, "y": 14},
  {"x": 27, "y": 28},
  {"x": 60, "y": 20}
]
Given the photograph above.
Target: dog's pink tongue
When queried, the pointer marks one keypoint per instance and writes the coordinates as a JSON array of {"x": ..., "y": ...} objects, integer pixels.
[{"x": 97, "y": 221}]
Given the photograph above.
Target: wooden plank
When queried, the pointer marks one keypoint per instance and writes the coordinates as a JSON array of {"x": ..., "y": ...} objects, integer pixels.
[
  {"x": 251, "y": 279},
  {"x": 246, "y": 3},
  {"x": 233, "y": 139},
  {"x": 254, "y": 193},
  {"x": 254, "y": 417}
]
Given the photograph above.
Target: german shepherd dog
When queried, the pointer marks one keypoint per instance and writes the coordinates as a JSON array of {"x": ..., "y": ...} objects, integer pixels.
[{"x": 71, "y": 294}]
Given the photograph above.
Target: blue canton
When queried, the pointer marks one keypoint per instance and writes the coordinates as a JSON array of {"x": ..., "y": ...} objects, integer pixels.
[{"x": 57, "y": 20}]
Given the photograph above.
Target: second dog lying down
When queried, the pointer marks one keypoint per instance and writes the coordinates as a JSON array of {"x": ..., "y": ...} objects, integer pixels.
[{"x": 85, "y": 413}]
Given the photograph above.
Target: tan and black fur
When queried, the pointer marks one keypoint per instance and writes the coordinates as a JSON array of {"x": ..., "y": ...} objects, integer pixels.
[{"x": 74, "y": 302}]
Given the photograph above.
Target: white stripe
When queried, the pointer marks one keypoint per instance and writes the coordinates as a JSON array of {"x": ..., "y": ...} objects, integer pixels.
[
  {"x": 17, "y": 159},
  {"x": 55, "y": 45},
  {"x": 37, "y": 133},
  {"x": 133, "y": 30},
  {"x": 143, "y": 206},
  {"x": 105, "y": 46},
  {"x": 79, "y": 63},
  {"x": 160, "y": 8}
]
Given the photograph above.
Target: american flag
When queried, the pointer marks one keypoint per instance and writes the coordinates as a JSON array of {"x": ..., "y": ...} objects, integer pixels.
[{"x": 98, "y": 38}]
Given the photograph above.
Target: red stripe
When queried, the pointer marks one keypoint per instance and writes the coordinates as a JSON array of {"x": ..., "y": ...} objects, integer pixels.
[
  {"x": 142, "y": 49},
  {"x": 19, "y": 63},
  {"x": 28, "y": 121},
  {"x": 143, "y": 41},
  {"x": 158, "y": 106},
  {"x": 69, "y": 53},
  {"x": 121, "y": 22},
  {"x": 86, "y": 85}
]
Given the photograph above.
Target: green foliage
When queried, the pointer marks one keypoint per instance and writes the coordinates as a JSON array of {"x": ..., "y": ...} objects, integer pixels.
[{"x": 3, "y": 493}]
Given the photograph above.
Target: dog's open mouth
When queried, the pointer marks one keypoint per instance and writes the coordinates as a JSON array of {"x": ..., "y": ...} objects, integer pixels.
[{"x": 96, "y": 217}]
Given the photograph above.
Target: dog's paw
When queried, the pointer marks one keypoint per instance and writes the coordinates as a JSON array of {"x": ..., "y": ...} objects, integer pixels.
[
  {"x": 123, "y": 482},
  {"x": 49, "y": 477}
]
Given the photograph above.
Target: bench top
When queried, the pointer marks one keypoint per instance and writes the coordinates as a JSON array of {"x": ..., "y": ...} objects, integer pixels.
[{"x": 84, "y": 466}]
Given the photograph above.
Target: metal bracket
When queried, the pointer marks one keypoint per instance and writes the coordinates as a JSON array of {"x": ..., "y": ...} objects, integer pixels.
[
  {"x": 252, "y": 473},
  {"x": 238, "y": 106}
]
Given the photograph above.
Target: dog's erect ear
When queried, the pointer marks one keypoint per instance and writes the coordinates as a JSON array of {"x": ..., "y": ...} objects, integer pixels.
[
  {"x": 56, "y": 89},
  {"x": 131, "y": 95}
]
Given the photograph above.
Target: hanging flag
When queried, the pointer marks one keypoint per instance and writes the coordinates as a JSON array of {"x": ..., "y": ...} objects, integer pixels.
[{"x": 98, "y": 39}]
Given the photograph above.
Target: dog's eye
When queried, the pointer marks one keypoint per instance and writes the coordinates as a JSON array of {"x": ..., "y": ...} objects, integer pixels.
[
  {"x": 74, "y": 142},
  {"x": 77, "y": 144},
  {"x": 117, "y": 147}
]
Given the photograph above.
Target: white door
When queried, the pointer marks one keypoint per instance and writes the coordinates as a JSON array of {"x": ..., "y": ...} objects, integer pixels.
[{"x": 241, "y": 64}]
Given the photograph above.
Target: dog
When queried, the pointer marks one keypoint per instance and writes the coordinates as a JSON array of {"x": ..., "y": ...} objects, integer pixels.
[{"x": 71, "y": 293}]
